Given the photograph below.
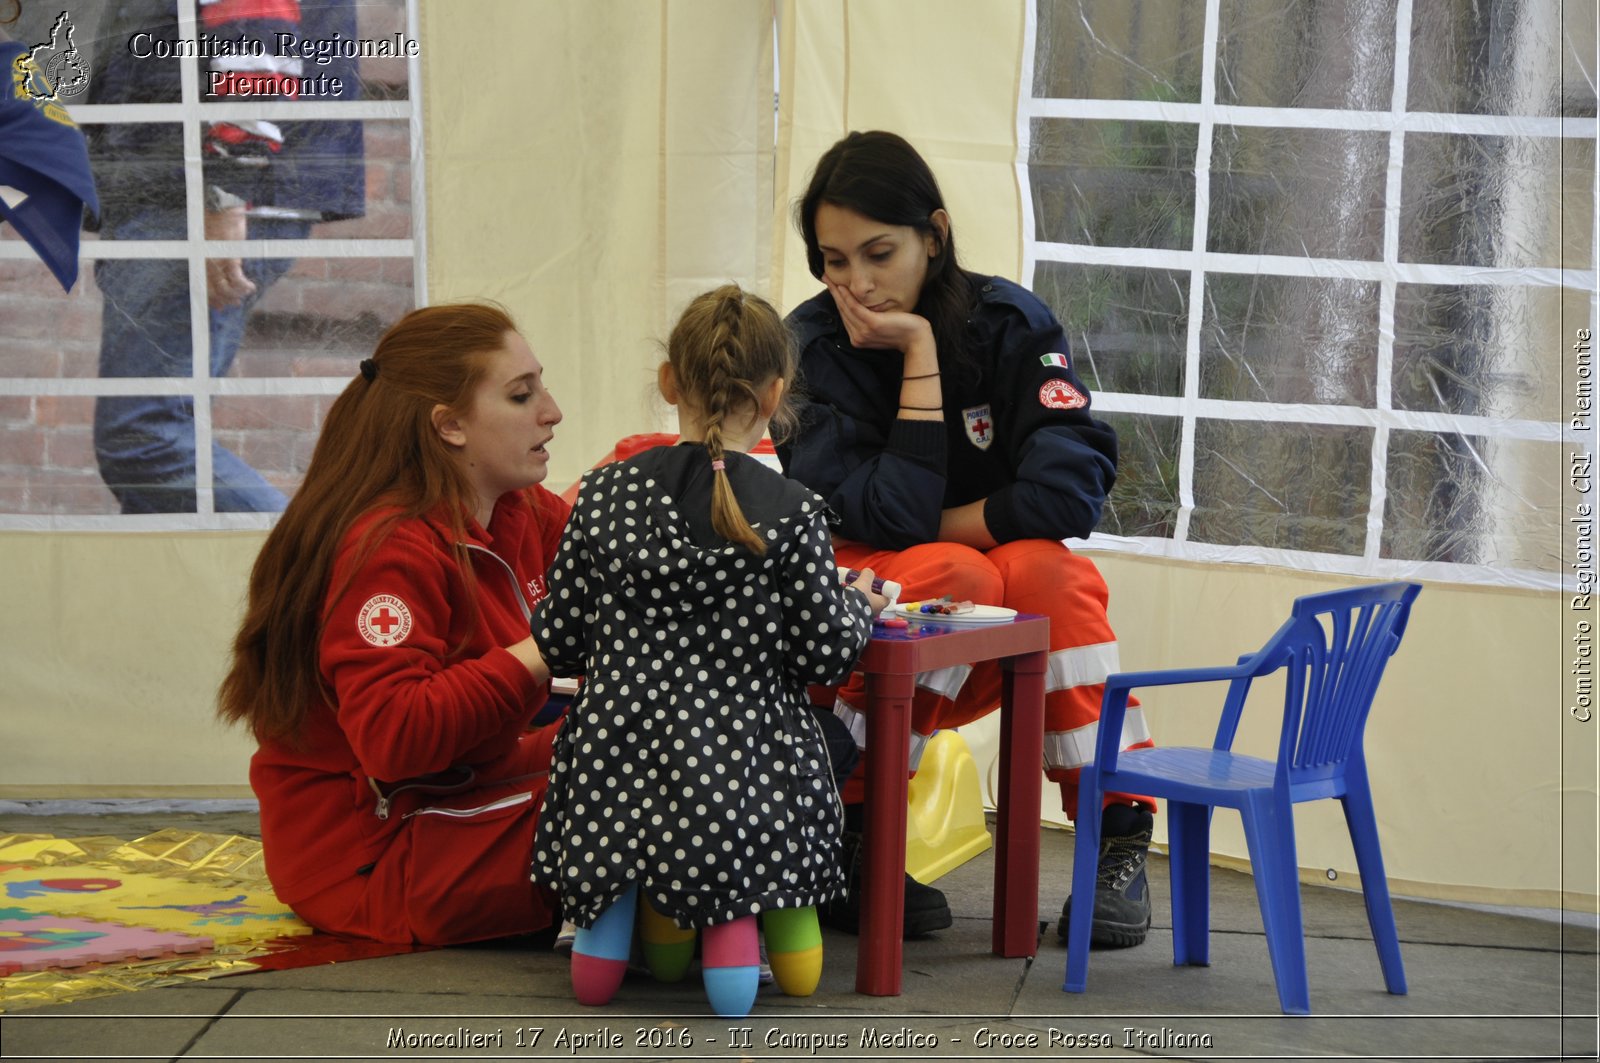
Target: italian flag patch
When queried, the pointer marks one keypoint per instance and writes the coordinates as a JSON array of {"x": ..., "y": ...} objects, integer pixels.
[{"x": 1055, "y": 359}]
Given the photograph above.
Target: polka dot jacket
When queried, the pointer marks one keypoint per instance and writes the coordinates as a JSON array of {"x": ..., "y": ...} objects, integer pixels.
[{"x": 689, "y": 761}]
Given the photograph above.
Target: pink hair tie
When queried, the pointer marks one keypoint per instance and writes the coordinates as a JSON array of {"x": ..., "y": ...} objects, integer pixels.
[{"x": 718, "y": 465}]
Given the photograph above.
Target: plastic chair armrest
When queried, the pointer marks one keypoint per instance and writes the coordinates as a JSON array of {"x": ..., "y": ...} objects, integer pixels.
[
  {"x": 1114, "y": 702},
  {"x": 1175, "y": 676}
]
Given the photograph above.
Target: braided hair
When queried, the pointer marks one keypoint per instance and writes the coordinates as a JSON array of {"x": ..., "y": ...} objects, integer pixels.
[{"x": 727, "y": 346}]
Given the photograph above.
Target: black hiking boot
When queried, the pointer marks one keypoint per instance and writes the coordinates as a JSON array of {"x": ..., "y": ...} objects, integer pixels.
[{"x": 1122, "y": 893}]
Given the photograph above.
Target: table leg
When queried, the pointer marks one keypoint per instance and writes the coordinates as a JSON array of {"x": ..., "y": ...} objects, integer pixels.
[
  {"x": 884, "y": 838},
  {"x": 1016, "y": 855}
]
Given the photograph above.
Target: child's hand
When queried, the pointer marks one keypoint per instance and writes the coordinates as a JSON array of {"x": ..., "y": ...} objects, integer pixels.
[
  {"x": 863, "y": 583},
  {"x": 527, "y": 651}
]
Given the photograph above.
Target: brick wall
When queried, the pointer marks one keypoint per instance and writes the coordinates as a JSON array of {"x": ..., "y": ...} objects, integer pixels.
[{"x": 321, "y": 318}]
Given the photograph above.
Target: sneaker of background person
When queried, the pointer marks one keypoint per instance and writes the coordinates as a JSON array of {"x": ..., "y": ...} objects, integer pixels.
[{"x": 565, "y": 937}]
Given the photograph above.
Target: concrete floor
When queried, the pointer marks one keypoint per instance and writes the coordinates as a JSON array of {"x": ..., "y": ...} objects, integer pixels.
[{"x": 1483, "y": 986}]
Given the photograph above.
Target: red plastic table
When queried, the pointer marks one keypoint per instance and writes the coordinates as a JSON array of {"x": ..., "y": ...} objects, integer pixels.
[{"x": 890, "y": 664}]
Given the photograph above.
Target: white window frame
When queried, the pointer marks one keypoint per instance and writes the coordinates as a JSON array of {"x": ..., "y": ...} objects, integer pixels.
[
  {"x": 1388, "y": 273},
  {"x": 200, "y": 384}
]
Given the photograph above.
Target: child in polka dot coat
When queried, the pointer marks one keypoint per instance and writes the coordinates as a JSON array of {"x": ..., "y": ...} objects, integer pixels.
[{"x": 695, "y": 590}]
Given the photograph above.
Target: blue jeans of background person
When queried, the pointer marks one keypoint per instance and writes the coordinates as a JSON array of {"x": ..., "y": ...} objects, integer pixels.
[{"x": 145, "y": 444}]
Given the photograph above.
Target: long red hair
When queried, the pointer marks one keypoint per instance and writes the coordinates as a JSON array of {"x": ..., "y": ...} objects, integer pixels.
[{"x": 378, "y": 450}]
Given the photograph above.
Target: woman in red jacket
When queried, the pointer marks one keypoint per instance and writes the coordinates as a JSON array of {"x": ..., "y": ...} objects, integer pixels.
[{"x": 384, "y": 662}]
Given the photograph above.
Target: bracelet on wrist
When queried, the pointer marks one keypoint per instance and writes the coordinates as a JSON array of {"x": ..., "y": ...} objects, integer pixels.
[
  {"x": 922, "y": 376},
  {"x": 924, "y": 409}
]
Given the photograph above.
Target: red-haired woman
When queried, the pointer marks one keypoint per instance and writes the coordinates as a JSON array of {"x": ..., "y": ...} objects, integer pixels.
[{"x": 384, "y": 662}]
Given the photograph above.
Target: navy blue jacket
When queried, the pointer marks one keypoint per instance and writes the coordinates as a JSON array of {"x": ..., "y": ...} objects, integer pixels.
[
  {"x": 1016, "y": 431},
  {"x": 42, "y": 156}
]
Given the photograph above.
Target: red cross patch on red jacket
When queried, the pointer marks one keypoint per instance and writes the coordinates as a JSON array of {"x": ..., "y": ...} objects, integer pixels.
[{"x": 384, "y": 620}]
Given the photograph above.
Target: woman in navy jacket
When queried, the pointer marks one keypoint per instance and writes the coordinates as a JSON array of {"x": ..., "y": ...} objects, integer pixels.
[{"x": 950, "y": 434}]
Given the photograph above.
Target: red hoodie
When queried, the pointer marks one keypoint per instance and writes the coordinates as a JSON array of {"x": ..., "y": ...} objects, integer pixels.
[{"x": 429, "y": 702}]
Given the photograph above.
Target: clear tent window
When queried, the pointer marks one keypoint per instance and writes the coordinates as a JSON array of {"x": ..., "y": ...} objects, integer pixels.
[
  {"x": 96, "y": 381},
  {"x": 1324, "y": 265}
]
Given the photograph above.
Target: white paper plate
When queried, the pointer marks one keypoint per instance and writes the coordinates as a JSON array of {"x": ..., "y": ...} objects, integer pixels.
[{"x": 981, "y": 614}]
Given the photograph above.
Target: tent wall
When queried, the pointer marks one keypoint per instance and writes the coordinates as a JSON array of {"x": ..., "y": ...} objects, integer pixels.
[
  {"x": 618, "y": 166},
  {"x": 617, "y": 160},
  {"x": 1470, "y": 739},
  {"x": 592, "y": 180}
]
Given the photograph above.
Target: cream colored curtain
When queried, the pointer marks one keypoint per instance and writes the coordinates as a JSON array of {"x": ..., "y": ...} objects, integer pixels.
[
  {"x": 594, "y": 176},
  {"x": 594, "y": 164},
  {"x": 589, "y": 165},
  {"x": 942, "y": 74}
]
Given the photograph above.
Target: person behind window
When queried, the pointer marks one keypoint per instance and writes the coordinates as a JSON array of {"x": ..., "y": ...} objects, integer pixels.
[
  {"x": 263, "y": 180},
  {"x": 384, "y": 663},
  {"x": 696, "y": 591},
  {"x": 948, "y": 430}
]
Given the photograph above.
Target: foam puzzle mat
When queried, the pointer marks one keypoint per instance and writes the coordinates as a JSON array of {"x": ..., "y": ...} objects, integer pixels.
[
  {"x": 84, "y": 917},
  {"x": 224, "y": 913},
  {"x": 40, "y": 942}
]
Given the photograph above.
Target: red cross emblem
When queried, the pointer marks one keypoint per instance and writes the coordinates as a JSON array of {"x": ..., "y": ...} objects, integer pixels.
[
  {"x": 1058, "y": 394},
  {"x": 979, "y": 425},
  {"x": 384, "y": 620}
]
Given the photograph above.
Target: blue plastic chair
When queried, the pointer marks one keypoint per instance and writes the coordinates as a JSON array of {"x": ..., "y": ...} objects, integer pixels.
[{"x": 1334, "y": 647}]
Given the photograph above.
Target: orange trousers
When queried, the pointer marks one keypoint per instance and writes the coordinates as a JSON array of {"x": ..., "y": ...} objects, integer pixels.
[{"x": 1031, "y": 576}]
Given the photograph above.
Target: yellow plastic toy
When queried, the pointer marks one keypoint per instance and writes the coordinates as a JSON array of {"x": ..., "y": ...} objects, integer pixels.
[{"x": 945, "y": 826}]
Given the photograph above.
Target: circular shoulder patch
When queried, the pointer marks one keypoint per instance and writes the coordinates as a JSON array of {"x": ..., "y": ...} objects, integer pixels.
[
  {"x": 384, "y": 620},
  {"x": 1059, "y": 394}
]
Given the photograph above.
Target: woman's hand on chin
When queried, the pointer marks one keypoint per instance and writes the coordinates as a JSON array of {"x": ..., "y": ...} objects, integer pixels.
[{"x": 891, "y": 330}]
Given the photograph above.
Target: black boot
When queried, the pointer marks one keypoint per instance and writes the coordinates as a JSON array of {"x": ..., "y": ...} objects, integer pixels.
[
  {"x": 926, "y": 909},
  {"x": 1122, "y": 893}
]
